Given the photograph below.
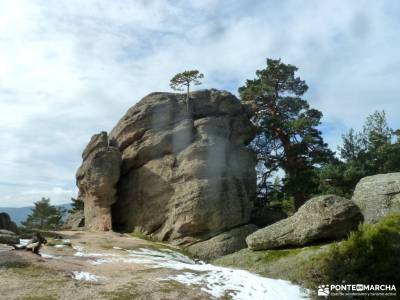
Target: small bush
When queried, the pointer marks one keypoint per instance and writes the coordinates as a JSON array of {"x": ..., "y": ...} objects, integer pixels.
[
  {"x": 370, "y": 255},
  {"x": 285, "y": 205}
]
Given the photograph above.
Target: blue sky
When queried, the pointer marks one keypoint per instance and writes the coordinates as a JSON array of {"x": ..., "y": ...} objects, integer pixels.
[{"x": 71, "y": 68}]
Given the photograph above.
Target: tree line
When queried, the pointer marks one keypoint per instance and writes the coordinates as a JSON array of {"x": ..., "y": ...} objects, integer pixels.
[
  {"x": 45, "y": 216},
  {"x": 288, "y": 141}
]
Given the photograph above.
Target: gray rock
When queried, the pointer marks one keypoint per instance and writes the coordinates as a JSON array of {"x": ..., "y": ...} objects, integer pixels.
[
  {"x": 75, "y": 221},
  {"x": 8, "y": 237},
  {"x": 225, "y": 243},
  {"x": 5, "y": 248},
  {"x": 99, "y": 140},
  {"x": 184, "y": 176},
  {"x": 6, "y": 223},
  {"x": 378, "y": 196},
  {"x": 320, "y": 218},
  {"x": 97, "y": 178}
]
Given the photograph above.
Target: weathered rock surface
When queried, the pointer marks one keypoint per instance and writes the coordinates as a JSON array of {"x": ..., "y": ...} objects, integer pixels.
[
  {"x": 6, "y": 223},
  {"x": 8, "y": 237},
  {"x": 185, "y": 176},
  {"x": 378, "y": 196},
  {"x": 75, "y": 221},
  {"x": 320, "y": 218},
  {"x": 97, "y": 141},
  {"x": 222, "y": 244},
  {"x": 97, "y": 178}
]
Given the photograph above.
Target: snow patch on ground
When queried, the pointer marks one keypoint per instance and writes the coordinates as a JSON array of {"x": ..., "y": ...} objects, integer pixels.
[
  {"x": 239, "y": 284},
  {"x": 23, "y": 242},
  {"x": 216, "y": 281},
  {"x": 78, "y": 248},
  {"x": 46, "y": 255},
  {"x": 80, "y": 275}
]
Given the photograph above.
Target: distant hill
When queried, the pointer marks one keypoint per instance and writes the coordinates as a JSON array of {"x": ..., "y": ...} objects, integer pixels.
[{"x": 19, "y": 214}]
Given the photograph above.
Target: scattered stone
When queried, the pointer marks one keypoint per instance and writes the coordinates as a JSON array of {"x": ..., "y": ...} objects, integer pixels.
[
  {"x": 378, "y": 196},
  {"x": 8, "y": 237},
  {"x": 326, "y": 217},
  {"x": 6, "y": 223},
  {"x": 222, "y": 244}
]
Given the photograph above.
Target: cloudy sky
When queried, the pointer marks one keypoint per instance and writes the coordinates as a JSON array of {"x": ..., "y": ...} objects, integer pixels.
[{"x": 71, "y": 68}]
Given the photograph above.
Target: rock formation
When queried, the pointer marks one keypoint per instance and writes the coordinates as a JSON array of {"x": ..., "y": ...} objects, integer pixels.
[
  {"x": 320, "y": 218},
  {"x": 6, "y": 223},
  {"x": 8, "y": 237},
  {"x": 75, "y": 221},
  {"x": 185, "y": 176},
  {"x": 96, "y": 179},
  {"x": 225, "y": 243},
  {"x": 378, "y": 196}
]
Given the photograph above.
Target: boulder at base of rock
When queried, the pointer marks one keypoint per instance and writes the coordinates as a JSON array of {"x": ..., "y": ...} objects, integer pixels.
[
  {"x": 8, "y": 237},
  {"x": 320, "y": 218},
  {"x": 75, "y": 221},
  {"x": 6, "y": 223},
  {"x": 378, "y": 196},
  {"x": 222, "y": 244}
]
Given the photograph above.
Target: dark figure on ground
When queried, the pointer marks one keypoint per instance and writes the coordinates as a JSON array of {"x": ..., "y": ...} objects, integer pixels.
[{"x": 34, "y": 244}]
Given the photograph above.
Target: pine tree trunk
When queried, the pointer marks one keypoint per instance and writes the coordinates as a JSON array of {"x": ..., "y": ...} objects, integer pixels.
[
  {"x": 299, "y": 200},
  {"x": 187, "y": 99}
]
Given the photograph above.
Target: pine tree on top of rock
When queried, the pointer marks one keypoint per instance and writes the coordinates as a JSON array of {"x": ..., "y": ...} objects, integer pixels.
[
  {"x": 186, "y": 78},
  {"x": 288, "y": 137}
]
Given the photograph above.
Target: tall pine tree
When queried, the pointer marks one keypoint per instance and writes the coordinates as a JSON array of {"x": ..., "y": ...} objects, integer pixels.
[
  {"x": 288, "y": 137},
  {"x": 44, "y": 216}
]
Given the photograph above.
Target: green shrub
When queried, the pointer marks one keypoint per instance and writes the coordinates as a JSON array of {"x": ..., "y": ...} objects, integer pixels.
[
  {"x": 285, "y": 205},
  {"x": 370, "y": 255}
]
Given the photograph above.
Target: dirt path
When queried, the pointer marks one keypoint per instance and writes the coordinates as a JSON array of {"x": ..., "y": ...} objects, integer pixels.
[
  {"x": 84, "y": 265},
  {"x": 27, "y": 276}
]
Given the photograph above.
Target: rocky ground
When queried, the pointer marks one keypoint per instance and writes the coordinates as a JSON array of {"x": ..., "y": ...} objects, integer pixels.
[{"x": 84, "y": 265}]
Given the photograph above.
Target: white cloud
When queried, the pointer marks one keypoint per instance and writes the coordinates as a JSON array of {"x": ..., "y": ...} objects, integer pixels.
[
  {"x": 19, "y": 195},
  {"x": 71, "y": 68}
]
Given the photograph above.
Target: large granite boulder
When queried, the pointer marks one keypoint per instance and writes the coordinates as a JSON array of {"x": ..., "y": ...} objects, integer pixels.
[
  {"x": 326, "y": 217},
  {"x": 378, "y": 196},
  {"x": 223, "y": 244},
  {"x": 6, "y": 223},
  {"x": 185, "y": 175},
  {"x": 8, "y": 237},
  {"x": 97, "y": 178}
]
